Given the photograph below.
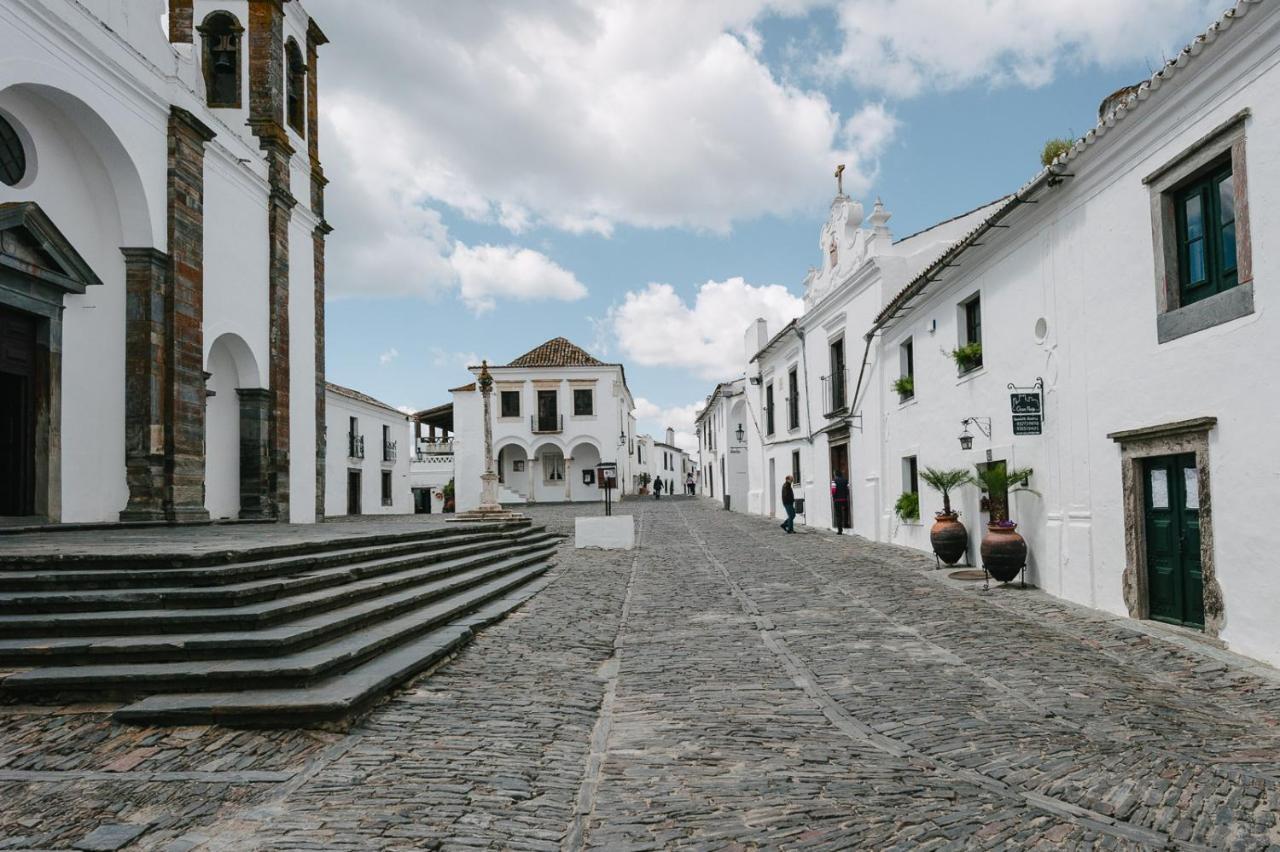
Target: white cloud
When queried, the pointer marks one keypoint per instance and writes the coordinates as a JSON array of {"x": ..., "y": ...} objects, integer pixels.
[
  {"x": 578, "y": 114},
  {"x": 904, "y": 47},
  {"x": 387, "y": 357},
  {"x": 441, "y": 357},
  {"x": 486, "y": 273},
  {"x": 406, "y": 409},
  {"x": 655, "y": 327},
  {"x": 654, "y": 419}
]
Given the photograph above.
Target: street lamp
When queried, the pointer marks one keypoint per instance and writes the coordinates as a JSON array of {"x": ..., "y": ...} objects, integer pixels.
[
  {"x": 966, "y": 439},
  {"x": 741, "y": 433}
]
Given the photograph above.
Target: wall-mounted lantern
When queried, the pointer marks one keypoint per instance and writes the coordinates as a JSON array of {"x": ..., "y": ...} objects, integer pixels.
[
  {"x": 984, "y": 426},
  {"x": 741, "y": 433}
]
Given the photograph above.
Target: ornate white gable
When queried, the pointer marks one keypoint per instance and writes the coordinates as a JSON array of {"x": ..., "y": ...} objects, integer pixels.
[{"x": 845, "y": 246}]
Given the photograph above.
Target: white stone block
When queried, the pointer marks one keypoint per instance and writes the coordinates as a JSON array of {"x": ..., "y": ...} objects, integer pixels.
[{"x": 617, "y": 532}]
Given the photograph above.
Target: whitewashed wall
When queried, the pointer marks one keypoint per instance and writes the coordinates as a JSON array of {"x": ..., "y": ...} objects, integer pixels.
[{"x": 338, "y": 411}]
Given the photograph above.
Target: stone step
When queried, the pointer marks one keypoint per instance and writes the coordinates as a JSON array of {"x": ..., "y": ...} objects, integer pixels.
[
  {"x": 142, "y": 573},
  {"x": 171, "y": 596},
  {"x": 247, "y": 615},
  {"x": 189, "y": 559},
  {"x": 259, "y": 641},
  {"x": 334, "y": 698},
  {"x": 295, "y": 669}
]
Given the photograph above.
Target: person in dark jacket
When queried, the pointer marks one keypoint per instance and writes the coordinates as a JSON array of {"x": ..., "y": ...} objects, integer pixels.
[
  {"x": 657, "y": 488},
  {"x": 840, "y": 498},
  {"x": 789, "y": 504}
]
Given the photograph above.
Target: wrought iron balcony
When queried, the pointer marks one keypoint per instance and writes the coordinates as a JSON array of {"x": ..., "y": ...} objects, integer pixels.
[
  {"x": 355, "y": 446},
  {"x": 388, "y": 451},
  {"x": 435, "y": 446},
  {"x": 546, "y": 425},
  {"x": 835, "y": 400}
]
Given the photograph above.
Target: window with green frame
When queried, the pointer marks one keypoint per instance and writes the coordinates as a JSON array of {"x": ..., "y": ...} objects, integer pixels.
[{"x": 1206, "y": 228}]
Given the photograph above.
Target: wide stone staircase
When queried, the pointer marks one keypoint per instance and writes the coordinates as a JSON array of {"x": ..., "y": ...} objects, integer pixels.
[{"x": 268, "y": 636}]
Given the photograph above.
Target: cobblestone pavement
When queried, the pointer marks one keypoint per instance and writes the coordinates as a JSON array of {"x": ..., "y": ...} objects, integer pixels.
[{"x": 723, "y": 686}]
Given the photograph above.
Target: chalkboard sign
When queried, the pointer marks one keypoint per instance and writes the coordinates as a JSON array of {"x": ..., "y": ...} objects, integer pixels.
[{"x": 1027, "y": 414}]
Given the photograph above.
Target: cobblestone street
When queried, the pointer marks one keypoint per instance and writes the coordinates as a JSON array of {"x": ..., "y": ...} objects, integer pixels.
[{"x": 722, "y": 686}]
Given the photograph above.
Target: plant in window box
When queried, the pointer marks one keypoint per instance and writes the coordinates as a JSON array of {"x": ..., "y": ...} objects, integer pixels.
[
  {"x": 968, "y": 357},
  {"x": 905, "y": 386},
  {"x": 908, "y": 506},
  {"x": 949, "y": 537},
  {"x": 1004, "y": 550},
  {"x": 448, "y": 496}
]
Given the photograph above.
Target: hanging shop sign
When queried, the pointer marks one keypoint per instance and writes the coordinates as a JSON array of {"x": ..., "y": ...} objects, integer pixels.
[{"x": 1027, "y": 405}]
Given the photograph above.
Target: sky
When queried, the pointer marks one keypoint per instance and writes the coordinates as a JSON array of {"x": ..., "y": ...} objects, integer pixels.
[{"x": 645, "y": 177}]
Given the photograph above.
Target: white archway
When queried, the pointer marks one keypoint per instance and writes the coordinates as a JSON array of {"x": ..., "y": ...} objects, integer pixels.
[
  {"x": 514, "y": 470},
  {"x": 586, "y": 455},
  {"x": 232, "y": 367}
]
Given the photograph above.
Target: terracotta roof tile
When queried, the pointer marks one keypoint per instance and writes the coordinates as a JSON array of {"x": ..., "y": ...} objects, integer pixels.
[{"x": 557, "y": 352}]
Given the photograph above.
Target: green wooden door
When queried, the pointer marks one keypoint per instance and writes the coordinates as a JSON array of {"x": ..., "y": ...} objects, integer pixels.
[{"x": 1172, "y": 501}]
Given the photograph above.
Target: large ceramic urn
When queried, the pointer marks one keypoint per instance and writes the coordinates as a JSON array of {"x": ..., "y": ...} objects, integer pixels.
[
  {"x": 1004, "y": 551},
  {"x": 949, "y": 537}
]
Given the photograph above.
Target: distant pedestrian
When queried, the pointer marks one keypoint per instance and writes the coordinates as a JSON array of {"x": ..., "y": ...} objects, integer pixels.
[
  {"x": 688, "y": 485},
  {"x": 657, "y": 488},
  {"x": 789, "y": 504},
  {"x": 840, "y": 500}
]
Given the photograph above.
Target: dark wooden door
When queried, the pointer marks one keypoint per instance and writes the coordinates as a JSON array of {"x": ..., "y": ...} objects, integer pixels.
[
  {"x": 547, "y": 411},
  {"x": 17, "y": 413},
  {"x": 353, "y": 492},
  {"x": 841, "y": 513},
  {"x": 1175, "y": 582}
]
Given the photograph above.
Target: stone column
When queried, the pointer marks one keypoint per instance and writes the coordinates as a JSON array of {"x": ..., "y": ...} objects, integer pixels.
[
  {"x": 146, "y": 275},
  {"x": 568, "y": 479},
  {"x": 316, "y": 38},
  {"x": 489, "y": 479},
  {"x": 186, "y": 394},
  {"x": 255, "y": 424},
  {"x": 181, "y": 21},
  {"x": 266, "y": 120}
]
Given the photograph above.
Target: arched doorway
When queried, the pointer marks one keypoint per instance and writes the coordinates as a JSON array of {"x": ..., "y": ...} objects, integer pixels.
[
  {"x": 584, "y": 458},
  {"x": 547, "y": 474},
  {"x": 233, "y": 440},
  {"x": 513, "y": 473}
]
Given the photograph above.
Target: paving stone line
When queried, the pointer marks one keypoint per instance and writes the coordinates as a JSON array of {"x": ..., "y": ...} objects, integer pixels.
[
  {"x": 575, "y": 837},
  {"x": 808, "y": 680}
]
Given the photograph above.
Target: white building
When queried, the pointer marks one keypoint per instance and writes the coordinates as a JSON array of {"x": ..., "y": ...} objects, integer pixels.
[
  {"x": 368, "y": 455},
  {"x": 431, "y": 468},
  {"x": 557, "y": 413},
  {"x": 661, "y": 460},
  {"x": 161, "y": 260},
  {"x": 722, "y": 427},
  {"x": 1121, "y": 279}
]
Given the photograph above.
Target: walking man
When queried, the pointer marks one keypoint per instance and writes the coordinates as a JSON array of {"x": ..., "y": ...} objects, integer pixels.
[
  {"x": 657, "y": 488},
  {"x": 688, "y": 484},
  {"x": 789, "y": 505},
  {"x": 840, "y": 500}
]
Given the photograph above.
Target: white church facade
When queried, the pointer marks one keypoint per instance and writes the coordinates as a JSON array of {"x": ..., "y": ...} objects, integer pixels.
[
  {"x": 1123, "y": 292},
  {"x": 162, "y": 241}
]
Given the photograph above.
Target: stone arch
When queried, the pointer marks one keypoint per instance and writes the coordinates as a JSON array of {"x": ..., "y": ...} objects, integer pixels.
[
  {"x": 546, "y": 461},
  {"x": 222, "y": 59},
  {"x": 508, "y": 453},
  {"x": 235, "y": 437},
  {"x": 82, "y": 127},
  {"x": 586, "y": 455}
]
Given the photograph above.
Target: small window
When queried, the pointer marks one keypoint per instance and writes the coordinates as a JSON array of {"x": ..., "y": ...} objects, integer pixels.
[
  {"x": 386, "y": 488},
  {"x": 910, "y": 475},
  {"x": 13, "y": 157},
  {"x": 353, "y": 425},
  {"x": 968, "y": 356},
  {"x": 295, "y": 97},
  {"x": 795, "y": 466},
  {"x": 768, "y": 409},
  {"x": 583, "y": 402},
  {"x": 1206, "y": 230},
  {"x": 553, "y": 468},
  {"x": 906, "y": 384},
  {"x": 220, "y": 56},
  {"x": 793, "y": 399},
  {"x": 509, "y": 403}
]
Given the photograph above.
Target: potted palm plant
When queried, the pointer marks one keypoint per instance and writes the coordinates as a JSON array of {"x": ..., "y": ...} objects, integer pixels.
[
  {"x": 949, "y": 537},
  {"x": 1004, "y": 550}
]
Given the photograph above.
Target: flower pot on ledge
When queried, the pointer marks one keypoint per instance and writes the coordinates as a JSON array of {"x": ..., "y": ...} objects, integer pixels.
[
  {"x": 1004, "y": 551},
  {"x": 949, "y": 537}
]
